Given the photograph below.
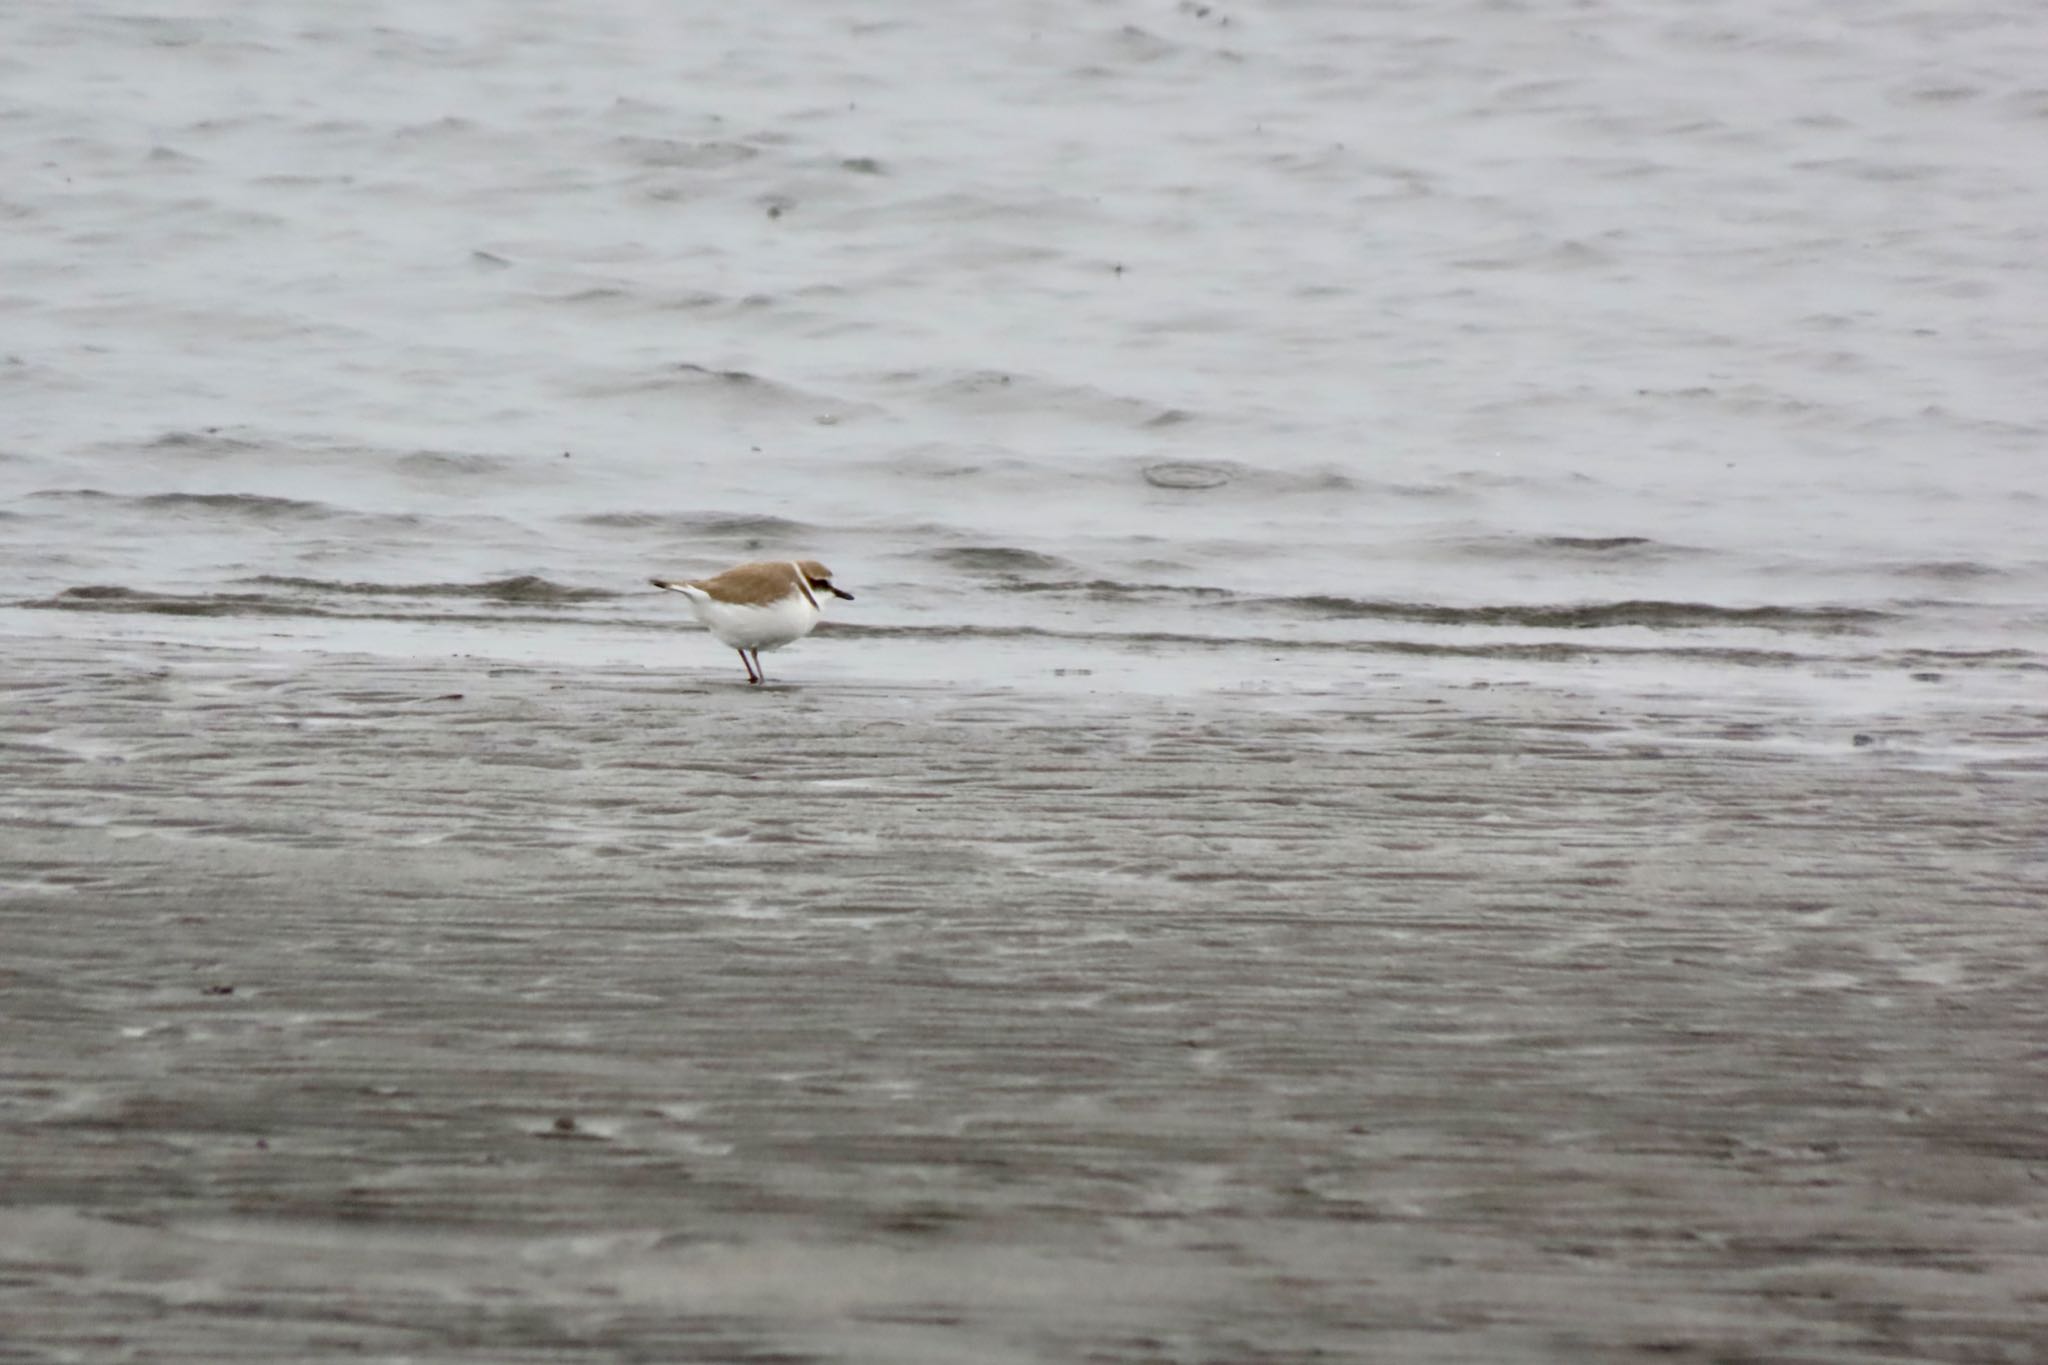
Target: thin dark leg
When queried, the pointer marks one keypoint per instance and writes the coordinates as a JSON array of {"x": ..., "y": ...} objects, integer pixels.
[
  {"x": 760, "y": 673},
  {"x": 752, "y": 676}
]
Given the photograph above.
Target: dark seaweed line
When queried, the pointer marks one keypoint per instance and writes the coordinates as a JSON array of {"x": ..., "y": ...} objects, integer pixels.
[{"x": 249, "y": 604}]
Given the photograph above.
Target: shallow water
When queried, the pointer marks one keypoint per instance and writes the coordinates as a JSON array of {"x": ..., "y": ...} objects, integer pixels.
[
  {"x": 1459, "y": 325},
  {"x": 1439, "y": 755}
]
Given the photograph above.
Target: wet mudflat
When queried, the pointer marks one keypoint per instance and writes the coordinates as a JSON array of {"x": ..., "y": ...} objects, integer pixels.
[{"x": 592, "y": 1015}]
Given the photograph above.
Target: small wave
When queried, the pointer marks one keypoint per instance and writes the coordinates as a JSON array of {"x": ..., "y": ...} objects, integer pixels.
[
  {"x": 518, "y": 588},
  {"x": 256, "y": 506},
  {"x": 613, "y": 296},
  {"x": 253, "y": 505},
  {"x": 743, "y": 390},
  {"x": 206, "y": 441},
  {"x": 1109, "y": 590},
  {"x": 525, "y": 591},
  {"x": 1593, "y": 615},
  {"x": 1632, "y": 549},
  {"x": 747, "y": 526},
  {"x": 98, "y": 592},
  {"x": 997, "y": 559},
  {"x": 530, "y": 588},
  {"x": 744, "y": 377},
  {"x": 107, "y": 597},
  {"x": 1950, "y": 570},
  {"x": 1536, "y": 651},
  {"x": 441, "y": 464},
  {"x": 1575, "y": 616},
  {"x": 1598, "y": 544}
]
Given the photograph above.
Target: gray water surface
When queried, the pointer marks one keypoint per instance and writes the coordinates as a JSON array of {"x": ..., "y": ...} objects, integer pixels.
[
  {"x": 1463, "y": 323},
  {"x": 1439, "y": 755}
]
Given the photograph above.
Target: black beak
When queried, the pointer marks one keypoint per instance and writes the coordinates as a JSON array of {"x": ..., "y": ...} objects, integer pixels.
[{"x": 838, "y": 593}]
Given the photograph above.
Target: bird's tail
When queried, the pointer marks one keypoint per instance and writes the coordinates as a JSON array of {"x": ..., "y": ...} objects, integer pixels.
[{"x": 671, "y": 586}]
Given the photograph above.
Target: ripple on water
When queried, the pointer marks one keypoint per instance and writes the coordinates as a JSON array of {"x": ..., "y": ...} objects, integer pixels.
[
  {"x": 747, "y": 526},
  {"x": 997, "y": 559},
  {"x": 514, "y": 588},
  {"x": 252, "y": 506}
]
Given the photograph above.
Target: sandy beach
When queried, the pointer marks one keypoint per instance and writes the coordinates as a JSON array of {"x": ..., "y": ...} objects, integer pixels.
[{"x": 366, "y": 1008}]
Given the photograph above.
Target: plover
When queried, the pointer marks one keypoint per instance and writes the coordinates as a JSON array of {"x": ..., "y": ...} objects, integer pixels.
[{"x": 759, "y": 606}]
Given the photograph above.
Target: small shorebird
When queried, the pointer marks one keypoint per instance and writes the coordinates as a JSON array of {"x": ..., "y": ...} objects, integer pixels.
[{"x": 759, "y": 606}]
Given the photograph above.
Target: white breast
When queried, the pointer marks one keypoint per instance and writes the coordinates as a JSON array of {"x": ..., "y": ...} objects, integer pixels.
[{"x": 769, "y": 627}]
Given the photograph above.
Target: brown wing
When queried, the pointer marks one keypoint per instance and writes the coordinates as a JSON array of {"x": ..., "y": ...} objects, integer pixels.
[{"x": 750, "y": 583}]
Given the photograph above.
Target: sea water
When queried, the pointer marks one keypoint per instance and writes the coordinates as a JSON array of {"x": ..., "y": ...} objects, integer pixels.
[{"x": 1285, "y": 343}]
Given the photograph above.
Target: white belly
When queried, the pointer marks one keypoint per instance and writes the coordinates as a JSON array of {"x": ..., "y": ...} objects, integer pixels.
[{"x": 769, "y": 627}]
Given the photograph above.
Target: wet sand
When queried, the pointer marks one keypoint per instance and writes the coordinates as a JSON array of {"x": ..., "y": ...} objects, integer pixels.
[{"x": 597, "y": 1015}]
